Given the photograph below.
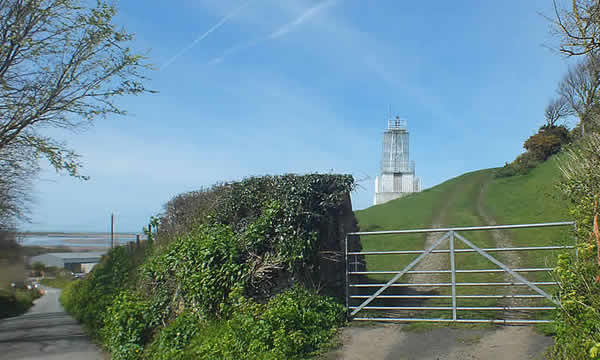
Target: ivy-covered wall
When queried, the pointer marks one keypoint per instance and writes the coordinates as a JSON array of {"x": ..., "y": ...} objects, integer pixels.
[
  {"x": 291, "y": 227},
  {"x": 250, "y": 259}
]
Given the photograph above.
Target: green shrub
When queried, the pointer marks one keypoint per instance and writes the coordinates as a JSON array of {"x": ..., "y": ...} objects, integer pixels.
[
  {"x": 9, "y": 306},
  {"x": 561, "y": 132},
  {"x": 507, "y": 170},
  {"x": 172, "y": 339},
  {"x": 127, "y": 326},
  {"x": 17, "y": 302},
  {"x": 253, "y": 238},
  {"x": 542, "y": 145},
  {"x": 539, "y": 147},
  {"x": 522, "y": 165},
  {"x": 293, "y": 325},
  {"x": 185, "y": 210},
  {"x": 204, "y": 265},
  {"x": 578, "y": 321},
  {"x": 295, "y": 217},
  {"x": 60, "y": 282},
  {"x": 88, "y": 299},
  {"x": 548, "y": 141}
]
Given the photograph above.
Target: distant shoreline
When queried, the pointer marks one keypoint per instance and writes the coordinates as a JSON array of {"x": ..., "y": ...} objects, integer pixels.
[
  {"x": 40, "y": 249},
  {"x": 73, "y": 240},
  {"x": 72, "y": 234}
]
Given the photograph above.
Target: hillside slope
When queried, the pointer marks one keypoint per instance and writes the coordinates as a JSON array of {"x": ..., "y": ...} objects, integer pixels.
[
  {"x": 517, "y": 199},
  {"x": 472, "y": 199}
]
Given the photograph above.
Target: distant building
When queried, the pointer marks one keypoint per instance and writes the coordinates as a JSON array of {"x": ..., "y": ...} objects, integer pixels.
[
  {"x": 73, "y": 261},
  {"x": 397, "y": 176}
]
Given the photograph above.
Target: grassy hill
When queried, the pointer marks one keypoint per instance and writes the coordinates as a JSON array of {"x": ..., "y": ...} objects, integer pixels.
[
  {"x": 473, "y": 199},
  {"x": 517, "y": 199}
]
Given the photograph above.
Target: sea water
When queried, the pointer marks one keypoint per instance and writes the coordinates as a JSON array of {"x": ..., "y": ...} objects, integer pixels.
[{"x": 87, "y": 240}]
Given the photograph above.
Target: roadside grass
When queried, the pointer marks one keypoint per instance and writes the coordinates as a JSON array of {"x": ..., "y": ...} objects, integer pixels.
[
  {"x": 60, "y": 282},
  {"x": 16, "y": 302},
  {"x": 426, "y": 326},
  {"x": 520, "y": 199}
]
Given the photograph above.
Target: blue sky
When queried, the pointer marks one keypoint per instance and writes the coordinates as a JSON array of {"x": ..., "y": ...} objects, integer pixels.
[{"x": 268, "y": 87}]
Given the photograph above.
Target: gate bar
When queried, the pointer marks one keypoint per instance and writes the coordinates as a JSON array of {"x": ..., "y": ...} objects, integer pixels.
[
  {"x": 448, "y": 271},
  {"x": 408, "y": 267},
  {"x": 453, "y": 275},
  {"x": 460, "y": 284},
  {"x": 470, "y": 228},
  {"x": 392, "y": 252},
  {"x": 514, "y": 274},
  {"x": 524, "y": 296},
  {"x": 453, "y": 308},
  {"x": 451, "y": 250},
  {"x": 493, "y": 321}
]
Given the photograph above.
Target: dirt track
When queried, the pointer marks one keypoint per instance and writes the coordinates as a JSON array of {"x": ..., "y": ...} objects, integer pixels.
[{"x": 392, "y": 342}]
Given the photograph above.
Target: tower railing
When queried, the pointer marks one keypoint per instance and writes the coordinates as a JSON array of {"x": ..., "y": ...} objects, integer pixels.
[
  {"x": 397, "y": 124},
  {"x": 398, "y": 166}
]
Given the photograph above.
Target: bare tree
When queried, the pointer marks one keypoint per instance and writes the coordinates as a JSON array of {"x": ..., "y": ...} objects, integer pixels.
[
  {"x": 578, "y": 27},
  {"x": 61, "y": 65},
  {"x": 18, "y": 165},
  {"x": 556, "y": 110},
  {"x": 579, "y": 88}
]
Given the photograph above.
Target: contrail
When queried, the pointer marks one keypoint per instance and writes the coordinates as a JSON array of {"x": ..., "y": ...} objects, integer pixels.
[
  {"x": 306, "y": 15},
  {"x": 203, "y": 36},
  {"x": 283, "y": 30},
  {"x": 235, "y": 49}
]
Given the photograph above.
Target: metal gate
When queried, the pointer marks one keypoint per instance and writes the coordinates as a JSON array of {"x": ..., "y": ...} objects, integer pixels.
[{"x": 449, "y": 236}]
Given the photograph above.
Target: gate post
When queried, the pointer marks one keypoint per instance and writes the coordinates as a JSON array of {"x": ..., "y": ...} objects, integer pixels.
[
  {"x": 453, "y": 275},
  {"x": 346, "y": 274},
  {"x": 575, "y": 233}
]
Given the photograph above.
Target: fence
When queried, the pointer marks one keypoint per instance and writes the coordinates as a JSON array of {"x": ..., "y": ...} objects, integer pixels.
[{"x": 353, "y": 263}]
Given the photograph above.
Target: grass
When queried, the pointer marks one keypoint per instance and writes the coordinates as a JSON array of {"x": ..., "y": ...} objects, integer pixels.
[
  {"x": 461, "y": 201},
  {"x": 531, "y": 198},
  {"x": 16, "y": 302},
  {"x": 60, "y": 282},
  {"x": 450, "y": 203},
  {"x": 426, "y": 326}
]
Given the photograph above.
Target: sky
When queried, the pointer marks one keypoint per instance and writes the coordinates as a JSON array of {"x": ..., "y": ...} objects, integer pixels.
[{"x": 255, "y": 87}]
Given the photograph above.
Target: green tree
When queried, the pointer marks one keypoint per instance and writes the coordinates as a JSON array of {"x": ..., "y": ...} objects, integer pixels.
[
  {"x": 62, "y": 65},
  {"x": 38, "y": 267}
]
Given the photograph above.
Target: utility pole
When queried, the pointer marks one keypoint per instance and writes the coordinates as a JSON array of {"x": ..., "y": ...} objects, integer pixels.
[{"x": 112, "y": 230}]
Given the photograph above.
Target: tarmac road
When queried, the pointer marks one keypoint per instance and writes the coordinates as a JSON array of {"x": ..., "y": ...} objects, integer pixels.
[{"x": 46, "y": 332}]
